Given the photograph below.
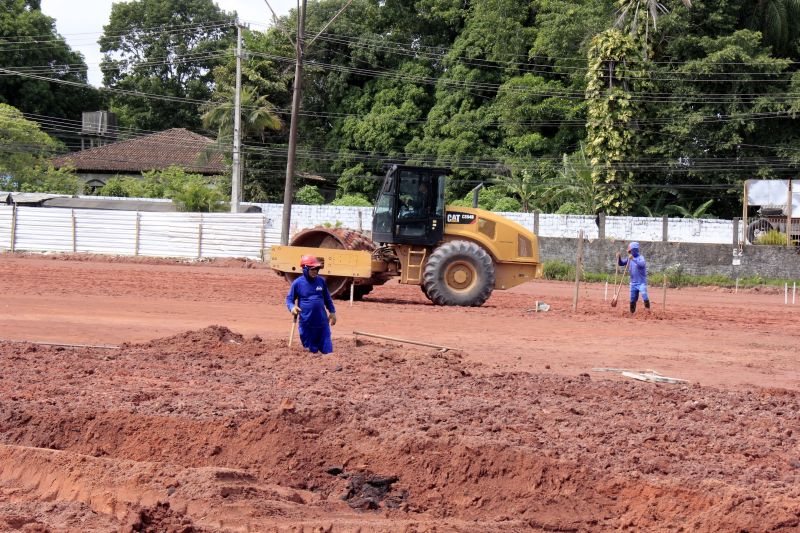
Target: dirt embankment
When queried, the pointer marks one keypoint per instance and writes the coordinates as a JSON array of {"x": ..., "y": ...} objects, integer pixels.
[{"x": 212, "y": 431}]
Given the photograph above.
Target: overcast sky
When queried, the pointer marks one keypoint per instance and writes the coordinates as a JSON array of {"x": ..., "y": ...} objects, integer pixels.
[{"x": 81, "y": 22}]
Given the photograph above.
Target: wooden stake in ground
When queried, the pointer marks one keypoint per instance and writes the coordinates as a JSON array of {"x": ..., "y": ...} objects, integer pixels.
[
  {"x": 578, "y": 268},
  {"x": 664, "y": 297}
]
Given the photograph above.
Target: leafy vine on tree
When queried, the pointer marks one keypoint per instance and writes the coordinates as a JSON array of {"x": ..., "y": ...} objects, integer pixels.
[{"x": 613, "y": 73}]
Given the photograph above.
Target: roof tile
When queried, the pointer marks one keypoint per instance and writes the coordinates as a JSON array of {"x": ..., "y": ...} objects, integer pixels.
[{"x": 176, "y": 146}]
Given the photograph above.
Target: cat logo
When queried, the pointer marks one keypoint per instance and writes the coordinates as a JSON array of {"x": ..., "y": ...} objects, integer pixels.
[{"x": 454, "y": 217}]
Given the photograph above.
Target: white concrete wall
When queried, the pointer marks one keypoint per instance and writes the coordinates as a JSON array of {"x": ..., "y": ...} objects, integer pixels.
[
  {"x": 620, "y": 228},
  {"x": 187, "y": 235},
  {"x": 195, "y": 235}
]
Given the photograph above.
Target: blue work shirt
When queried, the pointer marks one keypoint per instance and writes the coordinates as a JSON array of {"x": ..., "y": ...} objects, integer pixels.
[
  {"x": 638, "y": 269},
  {"x": 312, "y": 298}
]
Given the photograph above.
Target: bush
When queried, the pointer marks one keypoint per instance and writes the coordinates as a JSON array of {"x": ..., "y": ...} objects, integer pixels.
[
  {"x": 773, "y": 237},
  {"x": 675, "y": 275},
  {"x": 558, "y": 270},
  {"x": 507, "y": 205},
  {"x": 352, "y": 199},
  {"x": 199, "y": 196},
  {"x": 114, "y": 187},
  {"x": 191, "y": 192},
  {"x": 308, "y": 195},
  {"x": 50, "y": 180},
  {"x": 570, "y": 208}
]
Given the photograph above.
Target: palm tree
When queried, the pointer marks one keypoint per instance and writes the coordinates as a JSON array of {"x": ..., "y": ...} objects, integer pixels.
[
  {"x": 778, "y": 21},
  {"x": 638, "y": 15},
  {"x": 521, "y": 184},
  {"x": 258, "y": 115},
  {"x": 687, "y": 212}
]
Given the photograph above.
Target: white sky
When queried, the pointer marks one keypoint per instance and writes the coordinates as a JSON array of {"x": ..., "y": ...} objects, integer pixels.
[{"x": 81, "y": 22}]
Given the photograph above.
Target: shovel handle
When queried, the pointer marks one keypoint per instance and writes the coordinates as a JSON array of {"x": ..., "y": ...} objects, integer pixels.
[{"x": 291, "y": 333}]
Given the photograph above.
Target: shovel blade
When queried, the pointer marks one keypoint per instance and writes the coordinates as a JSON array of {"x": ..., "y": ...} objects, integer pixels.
[{"x": 613, "y": 302}]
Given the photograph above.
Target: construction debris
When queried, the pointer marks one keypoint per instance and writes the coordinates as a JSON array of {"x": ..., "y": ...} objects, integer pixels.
[
  {"x": 397, "y": 339},
  {"x": 643, "y": 375}
]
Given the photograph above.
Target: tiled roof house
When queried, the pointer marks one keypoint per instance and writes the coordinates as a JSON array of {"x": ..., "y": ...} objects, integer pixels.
[{"x": 174, "y": 147}]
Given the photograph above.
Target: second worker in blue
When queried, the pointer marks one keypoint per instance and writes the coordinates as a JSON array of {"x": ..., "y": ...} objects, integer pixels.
[{"x": 638, "y": 270}]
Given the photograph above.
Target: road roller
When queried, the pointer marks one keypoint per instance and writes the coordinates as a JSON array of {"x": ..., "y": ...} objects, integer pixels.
[{"x": 457, "y": 255}]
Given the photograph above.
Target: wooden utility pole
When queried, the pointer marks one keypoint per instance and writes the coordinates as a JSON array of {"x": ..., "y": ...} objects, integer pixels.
[
  {"x": 299, "y": 47},
  {"x": 236, "y": 178},
  {"x": 288, "y": 191}
]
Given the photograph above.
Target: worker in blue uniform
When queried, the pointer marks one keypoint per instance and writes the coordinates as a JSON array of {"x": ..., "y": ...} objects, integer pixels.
[
  {"x": 308, "y": 298},
  {"x": 638, "y": 270}
]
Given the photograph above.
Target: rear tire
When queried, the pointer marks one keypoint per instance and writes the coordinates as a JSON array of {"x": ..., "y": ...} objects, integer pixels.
[
  {"x": 459, "y": 273},
  {"x": 422, "y": 286}
]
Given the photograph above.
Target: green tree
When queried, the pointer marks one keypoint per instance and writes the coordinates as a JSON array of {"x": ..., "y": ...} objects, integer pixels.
[
  {"x": 611, "y": 140},
  {"x": 166, "y": 48},
  {"x": 308, "y": 195},
  {"x": 30, "y": 46},
  {"x": 191, "y": 192},
  {"x": 522, "y": 185},
  {"x": 779, "y": 24},
  {"x": 701, "y": 211},
  {"x": 572, "y": 186},
  {"x": 268, "y": 84},
  {"x": 615, "y": 71},
  {"x": 25, "y": 152},
  {"x": 352, "y": 199},
  {"x": 258, "y": 115}
]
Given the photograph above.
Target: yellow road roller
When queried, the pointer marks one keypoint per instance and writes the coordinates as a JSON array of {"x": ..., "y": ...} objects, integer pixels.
[{"x": 457, "y": 255}]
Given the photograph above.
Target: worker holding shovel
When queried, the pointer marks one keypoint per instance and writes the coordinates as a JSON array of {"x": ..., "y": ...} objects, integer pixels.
[
  {"x": 638, "y": 270},
  {"x": 308, "y": 298}
]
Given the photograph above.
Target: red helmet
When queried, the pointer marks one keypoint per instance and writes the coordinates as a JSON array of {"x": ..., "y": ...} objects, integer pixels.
[{"x": 309, "y": 261}]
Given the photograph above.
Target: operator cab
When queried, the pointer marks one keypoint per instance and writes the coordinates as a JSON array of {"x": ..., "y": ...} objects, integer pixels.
[{"x": 410, "y": 206}]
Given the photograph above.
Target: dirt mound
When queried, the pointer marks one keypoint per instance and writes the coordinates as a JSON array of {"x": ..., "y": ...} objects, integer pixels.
[
  {"x": 209, "y": 337},
  {"x": 237, "y": 432}
]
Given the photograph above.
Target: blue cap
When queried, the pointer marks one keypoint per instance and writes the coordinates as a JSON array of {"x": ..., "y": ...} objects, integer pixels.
[{"x": 633, "y": 246}]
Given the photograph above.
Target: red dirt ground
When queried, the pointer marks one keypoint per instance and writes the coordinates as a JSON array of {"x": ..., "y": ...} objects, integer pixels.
[{"x": 224, "y": 428}]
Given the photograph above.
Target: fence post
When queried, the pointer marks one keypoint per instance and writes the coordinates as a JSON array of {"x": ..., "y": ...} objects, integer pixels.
[
  {"x": 665, "y": 229},
  {"x": 74, "y": 236},
  {"x": 736, "y": 233},
  {"x": 200, "y": 237},
  {"x": 536, "y": 222},
  {"x": 789, "y": 216},
  {"x": 13, "y": 227},
  {"x": 601, "y": 226},
  {"x": 263, "y": 237},
  {"x": 136, "y": 240},
  {"x": 578, "y": 269}
]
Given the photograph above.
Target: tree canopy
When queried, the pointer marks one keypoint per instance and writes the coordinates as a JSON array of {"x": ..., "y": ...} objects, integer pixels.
[
  {"x": 624, "y": 106},
  {"x": 32, "y": 50},
  {"x": 167, "y": 50},
  {"x": 25, "y": 152}
]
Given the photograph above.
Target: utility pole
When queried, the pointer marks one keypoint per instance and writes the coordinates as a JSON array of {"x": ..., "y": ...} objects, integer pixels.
[
  {"x": 299, "y": 47},
  {"x": 236, "y": 178},
  {"x": 288, "y": 191}
]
